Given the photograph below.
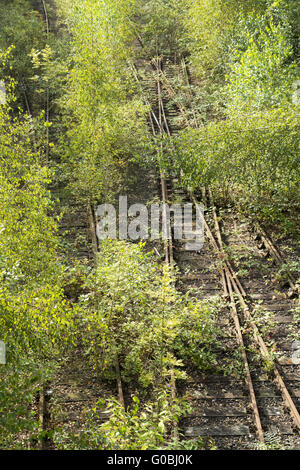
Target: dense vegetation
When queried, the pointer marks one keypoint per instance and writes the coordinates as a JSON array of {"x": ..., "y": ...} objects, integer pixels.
[
  {"x": 251, "y": 149},
  {"x": 75, "y": 119}
]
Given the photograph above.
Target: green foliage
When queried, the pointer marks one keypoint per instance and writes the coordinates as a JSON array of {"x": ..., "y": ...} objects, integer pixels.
[
  {"x": 23, "y": 28},
  {"x": 20, "y": 384},
  {"x": 211, "y": 25},
  {"x": 134, "y": 312},
  {"x": 140, "y": 427},
  {"x": 274, "y": 442},
  {"x": 132, "y": 309},
  {"x": 255, "y": 158},
  {"x": 252, "y": 42},
  {"x": 105, "y": 119},
  {"x": 198, "y": 334},
  {"x": 160, "y": 27},
  {"x": 261, "y": 77},
  {"x": 25, "y": 200},
  {"x": 35, "y": 319},
  {"x": 83, "y": 103},
  {"x": 295, "y": 328}
]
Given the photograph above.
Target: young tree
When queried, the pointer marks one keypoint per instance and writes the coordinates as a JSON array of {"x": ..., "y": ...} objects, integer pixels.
[{"x": 35, "y": 319}]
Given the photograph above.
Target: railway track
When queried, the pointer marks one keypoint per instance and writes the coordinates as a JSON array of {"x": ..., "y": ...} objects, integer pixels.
[
  {"x": 223, "y": 408},
  {"x": 236, "y": 410},
  {"x": 263, "y": 403},
  {"x": 272, "y": 391},
  {"x": 266, "y": 401}
]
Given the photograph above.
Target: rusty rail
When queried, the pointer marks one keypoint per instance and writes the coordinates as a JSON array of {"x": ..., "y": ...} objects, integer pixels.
[
  {"x": 276, "y": 255},
  {"x": 228, "y": 289},
  {"x": 240, "y": 293},
  {"x": 232, "y": 286}
]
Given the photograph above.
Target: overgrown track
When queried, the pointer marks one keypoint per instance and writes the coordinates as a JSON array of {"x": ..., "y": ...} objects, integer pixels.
[
  {"x": 272, "y": 389},
  {"x": 265, "y": 401},
  {"x": 237, "y": 409}
]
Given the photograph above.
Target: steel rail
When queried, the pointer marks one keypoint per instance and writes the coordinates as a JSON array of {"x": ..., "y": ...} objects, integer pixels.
[
  {"x": 228, "y": 288},
  {"x": 275, "y": 254},
  {"x": 230, "y": 281},
  {"x": 249, "y": 382},
  {"x": 256, "y": 334}
]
